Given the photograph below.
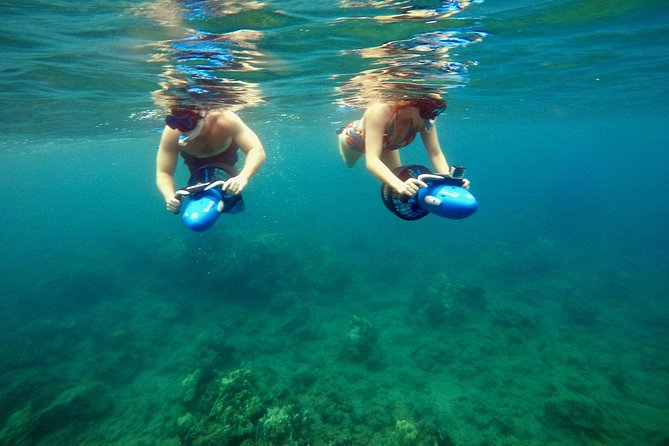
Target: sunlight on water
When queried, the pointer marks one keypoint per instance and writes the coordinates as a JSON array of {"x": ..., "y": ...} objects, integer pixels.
[
  {"x": 250, "y": 53},
  {"x": 213, "y": 69}
]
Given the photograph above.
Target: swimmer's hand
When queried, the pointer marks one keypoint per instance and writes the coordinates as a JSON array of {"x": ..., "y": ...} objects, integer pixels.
[
  {"x": 174, "y": 204},
  {"x": 410, "y": 187},
  {"x": 235, "y": 185}
]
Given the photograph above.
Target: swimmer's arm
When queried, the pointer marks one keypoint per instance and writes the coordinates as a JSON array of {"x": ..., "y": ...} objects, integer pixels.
[
  {"x": 434, "y": 151},
  {"x": 250, "y": 144},
  {"x": 253, "y": 150},
  {"x": 375, "y": 126},
  {"x": 436, "y": 155},
  {"x": 166, "y": 163}
]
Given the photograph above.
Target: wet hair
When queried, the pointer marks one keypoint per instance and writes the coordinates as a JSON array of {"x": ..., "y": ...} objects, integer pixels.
[
  {"x": 429, "y": 107},
  {"x": 181, "y": 110},
  {"x": 184, "y": 119}
]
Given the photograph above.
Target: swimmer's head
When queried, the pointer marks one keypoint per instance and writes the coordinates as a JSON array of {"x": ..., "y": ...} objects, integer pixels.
[
  {"x": 430, "y": 107},
  {"x": 187, "y": 120},
  {"x": 184, "y": 119}
]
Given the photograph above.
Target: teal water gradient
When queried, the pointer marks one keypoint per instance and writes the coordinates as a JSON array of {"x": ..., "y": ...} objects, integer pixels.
[{"x": 317, "y": 314}]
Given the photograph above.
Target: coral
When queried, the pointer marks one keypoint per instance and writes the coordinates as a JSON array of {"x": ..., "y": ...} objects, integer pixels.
[
  {"x": 345, "y": 440},
  {"x": 282, "y": 426},
  {"x": 189, "y": 385},
  {"x": 275, "y": 428},
  {"x": 238, "y": 405},
  {"x": 236, "y": 413},
  {"x": 187, "y": 428},
  {"x": 405, "y": 433},
  {"x": 360, "y": 342},
  {"x": 232, "y": 406},
  {"x": 444, "y": 299}
]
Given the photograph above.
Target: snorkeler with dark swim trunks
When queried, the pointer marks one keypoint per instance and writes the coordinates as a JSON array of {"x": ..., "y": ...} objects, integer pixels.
[
  {"x": 387, "y": 127},
  {"x": 205, "y": 137}
]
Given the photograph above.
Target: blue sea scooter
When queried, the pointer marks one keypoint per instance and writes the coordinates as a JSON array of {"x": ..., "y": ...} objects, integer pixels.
[
  {"x": 206, "y": 198},
  {"x": 443, "y": 196}
]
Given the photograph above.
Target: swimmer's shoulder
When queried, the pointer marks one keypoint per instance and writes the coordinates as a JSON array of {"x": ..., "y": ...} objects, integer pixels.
[
  {"x": 226, "y": 120},
  {"x": 380, "y": 108},
  {"x": 379, "y": 112},
  {"x": 224, "y": 116}
]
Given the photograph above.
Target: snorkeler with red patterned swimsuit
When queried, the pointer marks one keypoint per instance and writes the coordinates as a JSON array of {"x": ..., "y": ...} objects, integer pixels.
[{"x": 387, "y": 127}]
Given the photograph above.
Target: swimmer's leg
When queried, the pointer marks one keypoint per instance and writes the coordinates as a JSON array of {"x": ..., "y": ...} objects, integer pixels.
[{"x": 349, "y": 155}]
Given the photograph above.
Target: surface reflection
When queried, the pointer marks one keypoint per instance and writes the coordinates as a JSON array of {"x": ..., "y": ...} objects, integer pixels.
[{"x": 202, "y": 67}]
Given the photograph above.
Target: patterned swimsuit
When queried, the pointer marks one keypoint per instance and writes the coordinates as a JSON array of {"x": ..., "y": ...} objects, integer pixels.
[{"x": 355, "y": 136}]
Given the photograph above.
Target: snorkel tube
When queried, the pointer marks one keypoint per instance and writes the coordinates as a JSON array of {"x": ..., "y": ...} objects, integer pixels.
[
  {"x": 206, "y": 198},
  {"x": 186, "y": 137},
  {"x": 443, "y": 196}
]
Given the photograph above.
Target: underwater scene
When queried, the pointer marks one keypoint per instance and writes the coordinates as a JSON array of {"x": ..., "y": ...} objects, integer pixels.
[{"x": 316, "y": 316}]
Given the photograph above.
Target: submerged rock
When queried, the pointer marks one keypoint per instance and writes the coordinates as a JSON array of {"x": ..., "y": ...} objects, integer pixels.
[
  {"x": 190, "y": 384},
  {"x": 405, "y": 433},
  {"x": 361, "y": 343},
  {"x": 282, "y": 426},
  {"x": 17, "y": 429},
  {"x": 236, "y": 410},
  {"x": 275, "y": 428},
  {"x": 447, "y": 300},
  {"x": 239, "y": 404},
  {"x": 231, "y": 407},
  {"x": 187, "y": 428},
  {"x": 81, "y": 404}
]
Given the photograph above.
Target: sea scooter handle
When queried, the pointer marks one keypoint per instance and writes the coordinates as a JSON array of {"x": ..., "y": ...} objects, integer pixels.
[
  {"x": 455, "y": 176},
  {"x": 206, "y": 197},
  {"x": 425, "y": 177},
  {"x": 443, "y": 196},
  {"x": 205, "y": 204},
  {"x": 180, "y": 194}
]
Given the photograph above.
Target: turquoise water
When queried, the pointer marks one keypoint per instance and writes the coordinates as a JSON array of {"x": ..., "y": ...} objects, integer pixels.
[{"x": 316, "y": 316}]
